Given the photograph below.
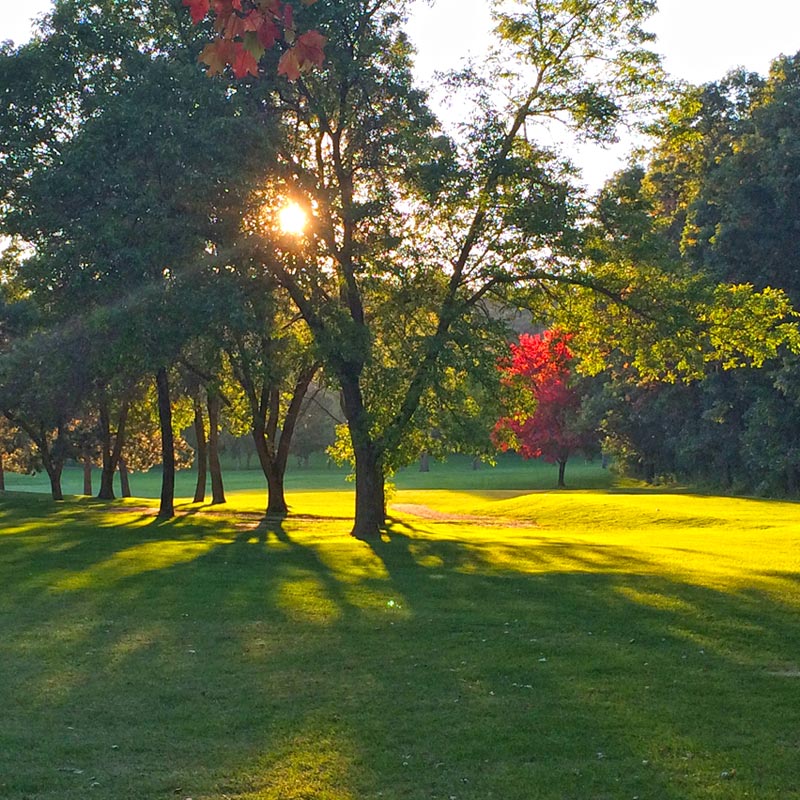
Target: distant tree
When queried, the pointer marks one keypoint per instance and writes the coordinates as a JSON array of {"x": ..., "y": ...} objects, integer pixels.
[
  {"x": 315, "y": 430},
  {"x": 547, "y": 423}
]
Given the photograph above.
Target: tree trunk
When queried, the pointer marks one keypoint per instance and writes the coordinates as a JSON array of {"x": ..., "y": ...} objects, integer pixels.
[
  {"x": 370, "y": 516},
  {"x": 424, "y": 463},
  {"x": 87, "y": 475},
  {"x": 201, "y": 456},
  {"x": 54, "y": 473},
  {"x": 124, "y": 478},
  {"x": 276, "y": 498},
  {"x": 2, "y": 474},
  {"x": 370, "y": 494},
  {"x": 167, "y": 508},
  {"x": 112, "y": 448},
  {"x": 214, "y": 467},
  {"x": 562, "y": 465},
  {"x": 107, "y": 473}
]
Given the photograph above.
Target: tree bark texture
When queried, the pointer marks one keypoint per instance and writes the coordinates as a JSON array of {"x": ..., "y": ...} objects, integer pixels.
[
  {"x": 201, "y": 454},
  {"x": 112, "y": 444},
  {"x": 55, "y": 483},
  {"x": 166, "y": 509},
  {"x": 214, "y": 467},
  {"x": 370, "y": 516},
  {"x": 87, "y": 475},
  {"x": 124, "y": 478}
]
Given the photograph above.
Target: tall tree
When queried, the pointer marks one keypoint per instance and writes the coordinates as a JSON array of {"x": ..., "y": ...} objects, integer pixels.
[{"x": 399, "y": 214}]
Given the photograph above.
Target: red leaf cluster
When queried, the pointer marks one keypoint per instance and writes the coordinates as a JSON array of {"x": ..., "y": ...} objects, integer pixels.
[
  {"x": 541, "y": 365},
  {"x": 247, "y": 28}
]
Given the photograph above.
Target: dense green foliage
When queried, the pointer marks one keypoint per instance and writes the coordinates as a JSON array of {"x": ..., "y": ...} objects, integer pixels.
[
  {"x": 718, "y": 200},
  {"x": 143, "y": 201}
]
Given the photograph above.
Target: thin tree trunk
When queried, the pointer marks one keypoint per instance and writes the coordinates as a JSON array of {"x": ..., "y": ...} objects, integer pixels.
[
  {"x": 124, "y": 477},
  {"x": 53, "y": 459},
  {"x": 214, "y": 467},
  {"x": 275, "y": 480},
  {"x": 167, "y": 508},
  {"x": 2, "y": 474},
  {"x": 562, "y": 465},
  {"x": 112, "y": 447},
  {"x": 201, "y": 456},
  {"x": 107, "y": 473},
  {"x": 87, "y": 475}
]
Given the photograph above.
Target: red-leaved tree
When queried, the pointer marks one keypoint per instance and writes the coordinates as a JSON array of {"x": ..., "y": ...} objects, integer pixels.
[
  {"x": 545, "y": 420},
  {"x": 246, "y": 29}
]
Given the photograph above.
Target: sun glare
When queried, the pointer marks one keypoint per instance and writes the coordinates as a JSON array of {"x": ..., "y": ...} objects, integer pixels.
[{"x": 292, "y": 219}]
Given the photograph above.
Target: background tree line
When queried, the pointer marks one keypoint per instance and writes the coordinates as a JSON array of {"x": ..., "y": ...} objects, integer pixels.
[{"x": 149, "y": 289}]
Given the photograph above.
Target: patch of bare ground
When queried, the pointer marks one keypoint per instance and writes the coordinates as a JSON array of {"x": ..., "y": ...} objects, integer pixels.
[{"x": 425, "y": 512}]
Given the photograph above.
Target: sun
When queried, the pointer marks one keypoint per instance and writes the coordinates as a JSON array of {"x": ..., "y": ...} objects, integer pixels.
[{"x": 292, "y": 219}]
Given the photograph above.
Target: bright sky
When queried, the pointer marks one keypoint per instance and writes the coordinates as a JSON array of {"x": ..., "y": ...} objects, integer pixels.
[{"x": 700, "y": 39}]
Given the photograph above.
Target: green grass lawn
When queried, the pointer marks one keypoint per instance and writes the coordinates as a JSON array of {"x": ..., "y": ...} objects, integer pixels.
[
  {"x": 583, "y": 645},
  {"x": 510, "y": 472}
]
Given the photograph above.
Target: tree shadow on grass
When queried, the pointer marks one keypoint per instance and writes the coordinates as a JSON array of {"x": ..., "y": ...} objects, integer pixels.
[{"x": 261, "y": 667}]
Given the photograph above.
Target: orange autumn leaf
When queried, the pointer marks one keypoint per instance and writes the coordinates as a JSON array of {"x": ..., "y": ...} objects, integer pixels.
[
  {"x": 310, "y": 50},
  {"x": 289, "y": 65},
  {"x": 243, "y": 62},
  {"x": 217, "y": 55}
]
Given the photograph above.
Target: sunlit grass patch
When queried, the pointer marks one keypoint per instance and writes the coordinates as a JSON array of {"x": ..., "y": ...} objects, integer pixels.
[{"x": 553, "y": 645}]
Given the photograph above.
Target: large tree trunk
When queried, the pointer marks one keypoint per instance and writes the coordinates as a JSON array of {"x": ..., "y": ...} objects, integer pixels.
[
  {"x": 87, "y": 475},
  {"x": 424, "y": 462},
  {"x": 201, "y": 456},
  {"x": 112, "y": 447},
  {"x": 276, "y": 499},
  {"x": 217, "y": 488},
  {"x": 370, "y": 491},
  {"x": 124, "y": 478},
  {"x": 167, "y": 508},
  {"x": 562, "y": 465}
]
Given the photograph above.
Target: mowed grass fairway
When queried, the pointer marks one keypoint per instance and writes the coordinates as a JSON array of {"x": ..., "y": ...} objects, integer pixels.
[{"x": 497, "y": 644}]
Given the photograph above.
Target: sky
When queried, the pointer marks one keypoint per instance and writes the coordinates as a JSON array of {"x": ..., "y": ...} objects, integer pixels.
[{"x": 700, "y": 40}]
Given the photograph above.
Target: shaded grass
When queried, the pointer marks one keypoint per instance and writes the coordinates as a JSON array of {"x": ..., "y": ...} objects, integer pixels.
[{"x": 557, "y": 645}]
